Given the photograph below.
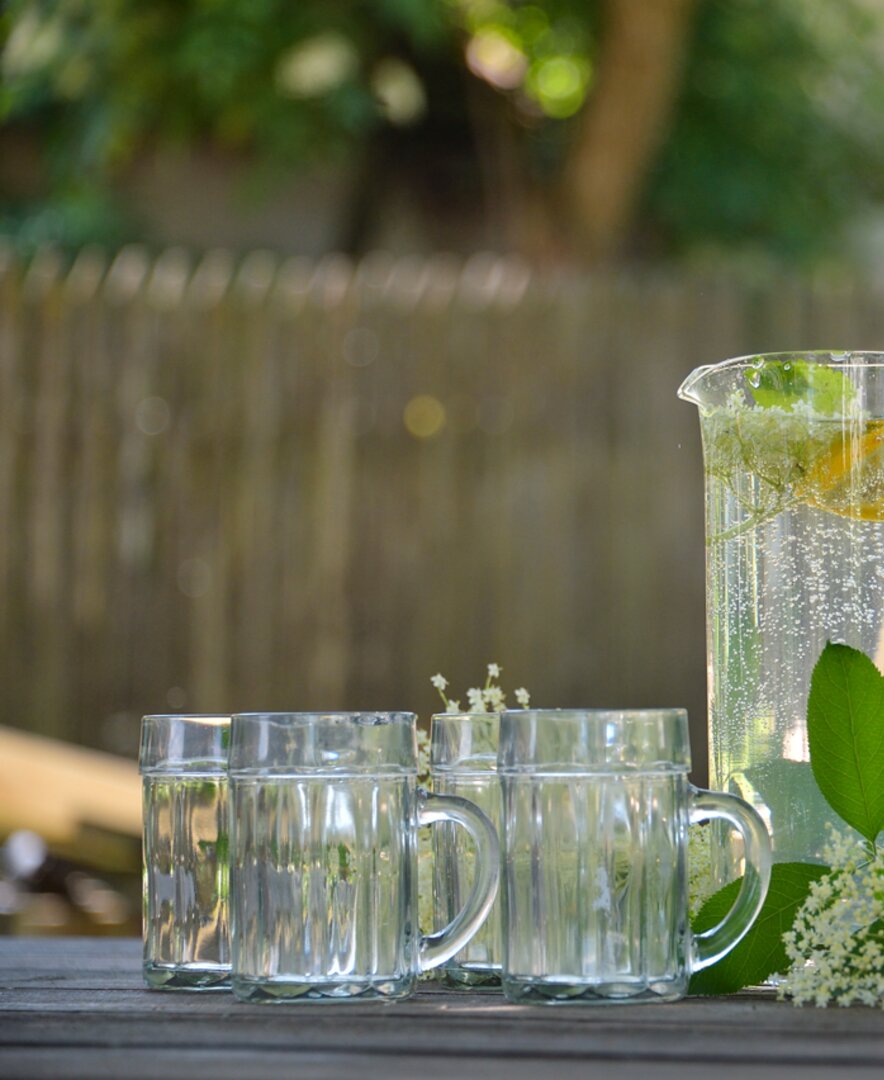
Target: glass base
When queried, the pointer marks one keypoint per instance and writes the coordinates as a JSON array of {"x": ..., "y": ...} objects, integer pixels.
[
  {"x": 477, "y": 978},
  {"x": 200, "y": 977},
  {"x": 534, "y": 991},
  {"x": 321, "y": 991}
]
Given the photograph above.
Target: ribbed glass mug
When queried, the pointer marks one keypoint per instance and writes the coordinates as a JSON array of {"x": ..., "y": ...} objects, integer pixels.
[
  {"x": 183, "y": 761},
  {"x": 596, "y": 808},
  {"x": 463, "y": 762},
  {"x": 325, "y": 813}
]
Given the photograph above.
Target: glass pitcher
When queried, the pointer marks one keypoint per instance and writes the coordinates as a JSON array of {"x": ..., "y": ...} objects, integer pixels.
[{"x": 793, "y": 450}]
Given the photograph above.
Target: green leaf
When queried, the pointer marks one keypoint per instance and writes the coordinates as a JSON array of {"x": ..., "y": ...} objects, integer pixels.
[
  {"x": 845, "y": 730},
  {"x": 761, "y": 952},
  {"x": 783, "y": 383}
]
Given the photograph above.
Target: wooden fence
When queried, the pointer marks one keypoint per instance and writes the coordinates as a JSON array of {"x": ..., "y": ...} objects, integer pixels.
[{"x": 258, "y": 484}]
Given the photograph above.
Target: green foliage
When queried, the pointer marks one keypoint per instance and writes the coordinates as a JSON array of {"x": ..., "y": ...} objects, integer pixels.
[
  {"x": 776, "y": 144},
  {"x": 761, "y": 953},
  {"x": 110, "y": 74},
  {"x": 777, "y": 141},
  {"x": 845, "y": 712}
]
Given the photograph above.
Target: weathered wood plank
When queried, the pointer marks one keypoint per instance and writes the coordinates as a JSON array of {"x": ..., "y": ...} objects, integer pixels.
[
  {"x": 150, "y": 1063},
  {"x": 75, "y": 1008}
]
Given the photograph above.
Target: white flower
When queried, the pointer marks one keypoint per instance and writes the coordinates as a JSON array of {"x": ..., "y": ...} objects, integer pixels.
[
  {"x": 834, "y": 944},
  {"x": 476, "y": 699},
  {"x": 489, "y": 698},
  {"x": 702, "y": 881},
  {"x": 423, "y": 755},
  {"x": 494, "y": 699}
]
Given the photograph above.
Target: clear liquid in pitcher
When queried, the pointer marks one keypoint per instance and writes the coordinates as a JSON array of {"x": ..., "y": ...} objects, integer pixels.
[{"x": 795, "y": 558}]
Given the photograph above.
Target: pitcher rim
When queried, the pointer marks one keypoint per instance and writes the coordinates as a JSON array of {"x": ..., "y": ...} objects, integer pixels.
[{"x": 845, "y": 359}]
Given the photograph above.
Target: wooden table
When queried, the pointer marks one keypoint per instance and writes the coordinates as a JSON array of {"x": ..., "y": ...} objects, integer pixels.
[{"x": 75, "y": 1007}]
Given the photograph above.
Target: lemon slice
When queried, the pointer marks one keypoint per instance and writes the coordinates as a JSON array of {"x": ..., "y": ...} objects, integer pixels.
[{"x": 848, "y": 478}]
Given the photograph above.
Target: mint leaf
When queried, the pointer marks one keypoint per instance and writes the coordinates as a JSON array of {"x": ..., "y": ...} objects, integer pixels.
[
  {"x": 845, "y": 730},
  {"x": 783, "y": 383},
  {"x": 761, "y": 952}
]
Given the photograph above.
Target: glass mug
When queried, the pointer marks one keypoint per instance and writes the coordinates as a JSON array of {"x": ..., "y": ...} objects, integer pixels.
[
  {"x": 463, "y": 762},
  {"x": 596, "y": 808},
  {"x": 325, "y": 810},
  {"x": 183, "y": 762}
]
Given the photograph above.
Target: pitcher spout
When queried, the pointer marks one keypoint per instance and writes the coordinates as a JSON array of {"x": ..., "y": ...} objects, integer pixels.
[
  {"x": 694, "y": 387},
  {"x": 711, "y": 385}
]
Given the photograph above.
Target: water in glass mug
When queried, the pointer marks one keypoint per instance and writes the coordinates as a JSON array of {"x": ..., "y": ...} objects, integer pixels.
[
  {"x": 463, "y": 762},
  {"x": 325, "y": 812},
  {"x": 185, "y": 882},
  {"x": 476, "y": 967},
  {"x": 325, "y": 886},
  {"x": 596, "y": 887},
  {"x": 595, "y": 816}
]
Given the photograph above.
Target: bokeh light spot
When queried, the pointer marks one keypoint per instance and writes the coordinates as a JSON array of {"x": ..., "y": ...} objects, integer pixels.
[
  {"x": 399, "y": 91},
  {"x": 360, "y": 346},
  {"x": 316, "y": 66},
  {"x": 463, "y": 414},
  {"x": 559, "y": 85},
  {"x": 152, "y": 415},
  {"x": 176, "y": 696},
  {"x": 194, "y": 578},
  {"x": 494, "y": 55},
  {"x": 424, "y": 416}
]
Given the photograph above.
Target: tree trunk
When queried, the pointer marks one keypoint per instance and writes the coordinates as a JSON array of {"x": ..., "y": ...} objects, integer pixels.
[{"x": 625, "y": 120}]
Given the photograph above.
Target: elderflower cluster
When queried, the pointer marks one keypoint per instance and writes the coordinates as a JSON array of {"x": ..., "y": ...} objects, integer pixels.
[
  {"x": 489, "y": 698},
  {"x": 702, "y": 882},
  {"x": 836, "y": 944}
]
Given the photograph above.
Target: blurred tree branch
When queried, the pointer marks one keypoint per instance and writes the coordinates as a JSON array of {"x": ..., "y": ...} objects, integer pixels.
[{"x": 626, "y": 118}]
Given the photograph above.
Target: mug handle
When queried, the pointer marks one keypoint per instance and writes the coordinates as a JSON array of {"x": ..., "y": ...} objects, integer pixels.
[
  {"x": 441, "y": 945},
  {"x": 712, "y": 945}
]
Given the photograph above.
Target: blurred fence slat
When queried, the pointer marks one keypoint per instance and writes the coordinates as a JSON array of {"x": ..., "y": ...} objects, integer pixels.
[{"x": 233, "y": 484}]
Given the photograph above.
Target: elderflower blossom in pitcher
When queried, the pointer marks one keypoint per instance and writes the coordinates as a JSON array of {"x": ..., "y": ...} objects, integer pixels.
[{"x": 793, "y": 447}]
